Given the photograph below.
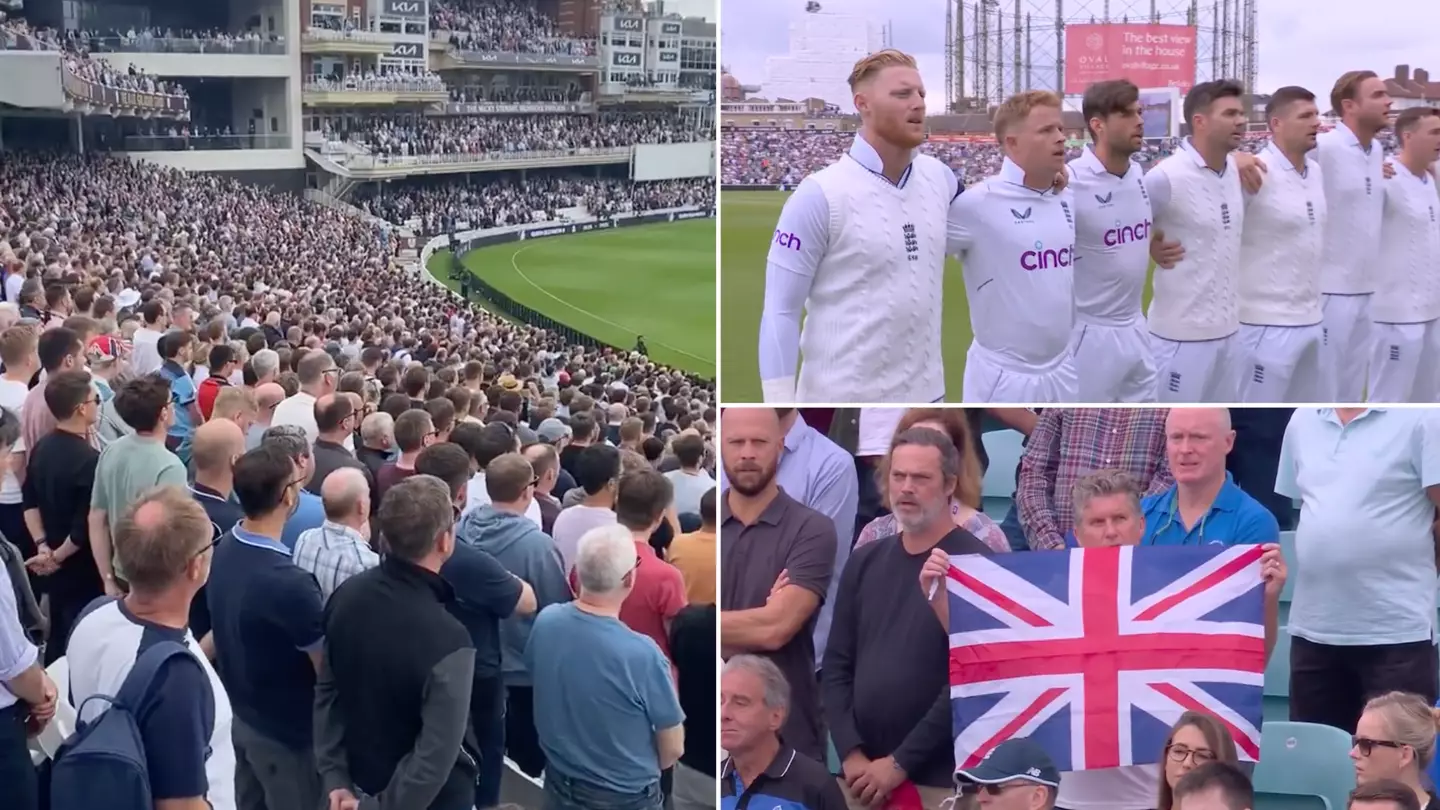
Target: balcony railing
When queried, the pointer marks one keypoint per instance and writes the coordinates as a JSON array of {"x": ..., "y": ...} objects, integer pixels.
[
  {"x": 203, "y": 143},
  {"x": 353, "y": 35},
  {"x": 387, "y": 161},
  {"x": 373, "y": 86},
  {"x": 249, "y": 47},
  {"x": 87, "y": 91}
]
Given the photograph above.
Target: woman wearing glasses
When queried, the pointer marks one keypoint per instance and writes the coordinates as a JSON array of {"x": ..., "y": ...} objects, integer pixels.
[
  {"x": 1395, "y": 739},
  {"x": 1196, "y": 739}
]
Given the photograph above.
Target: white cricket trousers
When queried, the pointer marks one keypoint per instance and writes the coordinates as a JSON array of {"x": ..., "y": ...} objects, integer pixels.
[
  {"x": 1405, "y": 362},
  {"x": 1281, "y": 363},
  {"x": 989, "y": 377},
  {"x": 1345, "y": 349},
  {"x": 1113, "y": 362},
  {"x": 1197, "y": 370}
]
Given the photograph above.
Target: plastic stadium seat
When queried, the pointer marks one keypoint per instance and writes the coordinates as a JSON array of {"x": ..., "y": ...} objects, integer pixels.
[
  {"x": 1287, "y": 550},
  {"x": 44, "y": 746},
  {"x": 1300, "y": 762},
  {"x": 832, "y": 759},
  {"x": 1276, "y": 698},
  {"x": 1004, "y": 448}
]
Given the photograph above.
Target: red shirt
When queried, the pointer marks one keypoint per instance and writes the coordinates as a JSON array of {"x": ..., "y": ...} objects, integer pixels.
[
  {"x": 659, "y": 594},
  {"x": 205, "y": 395}
]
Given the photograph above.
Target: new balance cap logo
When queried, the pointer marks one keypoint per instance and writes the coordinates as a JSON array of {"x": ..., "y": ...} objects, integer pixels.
[
  {"x": 787, "y": 240},
  {"x": 1044, "y": 259}
]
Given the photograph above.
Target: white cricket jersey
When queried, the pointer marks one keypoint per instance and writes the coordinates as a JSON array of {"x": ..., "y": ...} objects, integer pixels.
[
  {"x": 1112, "y": 240},
  {"x": 1018, "y": 249},
  {"x": 1203, "y": 210},
  {"x": 1355, "y": 198},
  {"x": 865, "y": 260},
  {"x": 1408, "y": 283},
  {"x": 1281, "y": 243}
]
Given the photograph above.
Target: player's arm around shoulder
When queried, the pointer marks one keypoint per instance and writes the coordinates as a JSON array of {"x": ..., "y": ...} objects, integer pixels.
[{"x": 964, "y": 219}]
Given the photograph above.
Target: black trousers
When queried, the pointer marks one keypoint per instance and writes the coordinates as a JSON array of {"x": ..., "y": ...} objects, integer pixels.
[
  {"x": 21, "y": 789},
  {"x": 522, "y": 742},
  {"x": 1330, "y": 684}
]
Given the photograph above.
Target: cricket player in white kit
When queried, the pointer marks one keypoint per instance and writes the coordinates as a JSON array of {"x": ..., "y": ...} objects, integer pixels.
[
  {"x": 1015, "y": 235},
  {"x": 1280, "y": 249},
  {"x": 1111, "y": 342},
  {"x": 1405, "y": 309},
  {"x": 1352, "y": 167},
  {"x": 860, "y": 249},
  {"x": 1197, "y": 200}
]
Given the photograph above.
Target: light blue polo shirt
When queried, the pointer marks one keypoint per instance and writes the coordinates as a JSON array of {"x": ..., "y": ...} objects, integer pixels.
[
  {"x": 1234, "y": 519},
  {"x": 1364, "y": 564}
]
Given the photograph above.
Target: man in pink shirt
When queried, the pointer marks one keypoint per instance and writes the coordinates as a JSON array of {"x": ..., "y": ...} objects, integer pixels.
[
  {"x": 659, "y": 594},
  {"x": 60, "y": 350}
]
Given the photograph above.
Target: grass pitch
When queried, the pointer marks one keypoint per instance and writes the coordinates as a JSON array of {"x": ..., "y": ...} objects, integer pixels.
[
  {"x": 653, "y": 280},
  {"x": 747, "y": 226}
]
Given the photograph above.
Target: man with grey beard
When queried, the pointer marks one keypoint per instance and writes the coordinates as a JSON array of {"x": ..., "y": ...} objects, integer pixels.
[{"x": 885, "y": 684}]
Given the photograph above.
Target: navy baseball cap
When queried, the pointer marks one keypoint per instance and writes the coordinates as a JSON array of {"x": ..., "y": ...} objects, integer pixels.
[{"x": 1015, "y": 759}]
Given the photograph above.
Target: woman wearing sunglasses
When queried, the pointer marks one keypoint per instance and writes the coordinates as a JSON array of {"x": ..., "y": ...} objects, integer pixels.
[
  {"x": 1196, "y": 739},
  {"x": 1395, "y": 739}
]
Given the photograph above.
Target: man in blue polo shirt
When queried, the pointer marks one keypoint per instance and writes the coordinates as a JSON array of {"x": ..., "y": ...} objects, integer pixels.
[
  {"x": 1204, "y": 506},
  {"x": 268, "y": 626}
]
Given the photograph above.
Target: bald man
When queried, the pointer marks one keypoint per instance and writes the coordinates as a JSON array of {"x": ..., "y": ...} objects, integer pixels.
[
  {"x": 340, "y": 547},
  {"x": 267, "y": 397},
  {"x": 213, "y": 451},
  {"x": 763, "y": 532},
  {"x": 336, "y": 419},
  {"x": 1204, "y": 507}
]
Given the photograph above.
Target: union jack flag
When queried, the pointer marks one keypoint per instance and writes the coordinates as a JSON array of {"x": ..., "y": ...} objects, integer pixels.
[{"x": 1095, "y": 653}]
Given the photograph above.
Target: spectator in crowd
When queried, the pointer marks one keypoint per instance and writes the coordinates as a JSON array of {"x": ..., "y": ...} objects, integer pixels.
[
  {"x": 218, "y": 445},
  {"x": 495, "y": 440},
  {"x": 1204, "y": 497},
  {"x": 1070, "y": 442},
  {"x": 131, "y": 465},
  {"x": 221, "y": 365},
  {"x": 1384, "y": 794},
  {"x": 377, "y": 443},
  {"x": 392, "y": 698},
  {"x": 336, "y": 419},
  {"x": 414, "y": 431},
  {"x": 597, "y": 474},
  {"x": 308, "y": 511},
  {"x": 761, "y": 767},
  {"x": 694, "y": 553},
  {"x": 164, "y": 543},
  {"x": 1395, "y": 740},
  {"x": 502, "y": 531},
  {"x": 268, "y": 649},
  {"x": 340, "y": 548},
  {"x": 1195, "y": 740},
  {"x": 690, "y": 481},
  {"x": 59, "y": 476},
  {"x": 692, "y": 649},
  {"x": 318, "y": 377},
  {"x": 60, "y": 350},
  {"x": 771, "y": 542},
  {"x": 235, "y": 405},
  {"x": 585, "y": 432},
  {"x": 175, "y": 357},
  {"x": 1362, "y": 615},
  {"x": 964, "y": 502},
  {"x": 1216, "y": 785},
  {"x": 27, "y": 694},
  {"x": 546, "y": 463},
  {"x": 887, "y": 736},
  {"x": 268, "y": 397},
  {"x": 155, "y": 319},
  {"x": 21, "y": 360},
  {"x": 657, "y": 590},
  {"x": 628, "y": 693},
  {"x": 1017, "y": 774},
  {"x": 1107, "y": 510}
]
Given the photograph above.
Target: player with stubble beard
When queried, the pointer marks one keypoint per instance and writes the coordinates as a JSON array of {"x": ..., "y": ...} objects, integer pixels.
[{"x": 777, "y": 559}]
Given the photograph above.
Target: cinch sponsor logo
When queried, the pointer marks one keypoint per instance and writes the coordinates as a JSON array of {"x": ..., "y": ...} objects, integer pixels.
[
  {"x": 1044, "y": 259},
  {"x": 1125, "y": 234},
  {"x": 787, "y": 240}
]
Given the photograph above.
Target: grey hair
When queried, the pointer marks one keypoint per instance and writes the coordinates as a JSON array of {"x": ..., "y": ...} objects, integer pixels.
[
  {"x": 1103, "y": 484},
  {"x": 265, "y": 362},
  {"x": 928, "y": 437},
  {"x": 290, "y": 438},
  {"x": 777, "y": 688},
  {"x": 605, "y": 555}
]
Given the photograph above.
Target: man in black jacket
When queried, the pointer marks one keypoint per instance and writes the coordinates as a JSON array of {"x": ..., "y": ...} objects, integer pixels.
[{"x": 392, "y": 703}]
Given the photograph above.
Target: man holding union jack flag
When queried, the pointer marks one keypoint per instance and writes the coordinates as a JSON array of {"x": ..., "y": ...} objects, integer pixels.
[{"x": 1095, "y": 652}]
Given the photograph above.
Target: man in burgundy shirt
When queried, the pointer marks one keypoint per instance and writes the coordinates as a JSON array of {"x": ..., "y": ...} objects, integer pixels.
[{"x": 414, "y": 431}]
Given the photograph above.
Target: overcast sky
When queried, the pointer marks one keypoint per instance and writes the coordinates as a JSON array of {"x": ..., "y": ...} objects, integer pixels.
[
  {"x": 1298, "y": 43},
  {"x": 694, "y": 8}
]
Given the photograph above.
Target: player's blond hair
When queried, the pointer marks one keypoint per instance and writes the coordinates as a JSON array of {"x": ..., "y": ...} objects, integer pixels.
[
  {"x": 1347, "y": 88},
  {"x": 871, "y": 65},
  {"x": 1019, "y": 106}
]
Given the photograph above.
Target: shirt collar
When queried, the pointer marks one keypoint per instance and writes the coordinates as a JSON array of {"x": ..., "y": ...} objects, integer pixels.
[
  {"x": 331, "y": 529},
  {"x": 1351, "y": 139},
  {"x": 412, "y": 574},
  {"x": 259, "y": 541},
  {"x": 1228, "y": 499},
  {"x": 1329, "y": 415},
  {"x": 798, "y": 433},
  {"x": 866, "y": 156},
  {"x": 1279, "y": 158},
  {"x": 772, "y": 514},
  {"x": 1423, "y": 177},
  {"x": 778, "y": 768},
  {"x": 1189, "y": 148}
]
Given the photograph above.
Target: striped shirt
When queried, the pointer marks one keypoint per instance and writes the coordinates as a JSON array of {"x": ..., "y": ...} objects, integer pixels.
[
  {"x": 1068, "y": 443},
  {"x": 333, "y": 553}
]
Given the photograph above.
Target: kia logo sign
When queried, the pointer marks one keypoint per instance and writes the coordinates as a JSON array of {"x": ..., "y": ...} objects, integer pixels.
[
  {"x": 624, "y": 59},
  {"x": 629, "y": 23},
  {"x": 409, "y": 50},
  {"x": 670, "y": 28},
  {"x": 405, "y": 8},
  {"x": 669, "y": 56}
]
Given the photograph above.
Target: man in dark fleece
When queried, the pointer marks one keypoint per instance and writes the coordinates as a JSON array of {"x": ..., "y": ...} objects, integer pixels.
[
  {"x": 885, "y": 685},
  {"x": 502, "y": 530}
]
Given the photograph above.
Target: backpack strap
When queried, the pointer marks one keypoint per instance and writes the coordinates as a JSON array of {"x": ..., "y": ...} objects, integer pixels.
[{"x": 138, "y": 683}]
